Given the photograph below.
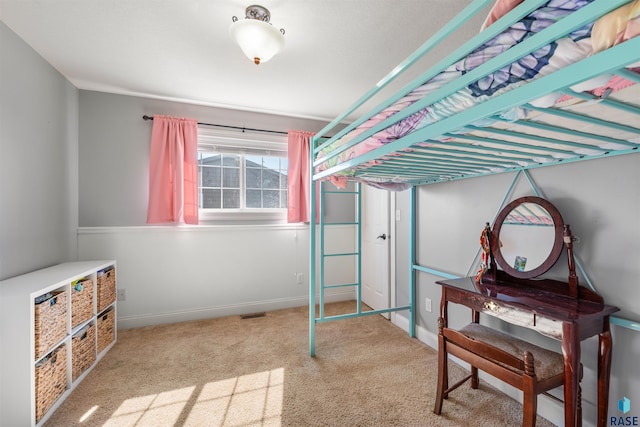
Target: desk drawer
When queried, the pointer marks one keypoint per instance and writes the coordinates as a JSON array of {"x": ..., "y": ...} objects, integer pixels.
[{"x": 517, "y": 316}]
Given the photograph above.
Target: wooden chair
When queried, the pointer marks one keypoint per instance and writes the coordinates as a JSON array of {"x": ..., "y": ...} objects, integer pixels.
[{"x": 529, "y": 368}]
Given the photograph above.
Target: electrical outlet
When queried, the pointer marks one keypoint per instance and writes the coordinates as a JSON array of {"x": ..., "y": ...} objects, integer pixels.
[
  {"x": 122, "y": 296},
  {"x": 427, "y": 305},
  {"x": 299, "y": 278}
]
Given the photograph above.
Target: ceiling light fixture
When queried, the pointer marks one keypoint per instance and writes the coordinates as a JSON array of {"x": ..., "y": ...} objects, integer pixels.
[{"x": 257, "y": 38}]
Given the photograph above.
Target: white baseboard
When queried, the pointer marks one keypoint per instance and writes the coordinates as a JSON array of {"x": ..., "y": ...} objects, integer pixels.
[
  {"x": 429, "y": 338},
  {"x": 130, "y": 322}
]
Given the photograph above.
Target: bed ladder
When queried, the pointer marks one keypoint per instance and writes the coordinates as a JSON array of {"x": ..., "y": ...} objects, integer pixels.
[
  {"x": 356, "y": 194},
  {"x": 322, "y": 256},
  {"x": 318, "y": 270}
]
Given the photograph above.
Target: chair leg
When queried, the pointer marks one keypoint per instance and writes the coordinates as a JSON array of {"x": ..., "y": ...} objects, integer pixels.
[
  {"x": 529, "y": 395},
  {"x": 443, "y": 375},
  {"x": 579, "y": 415},
  {"x": 530, "y": 408},
  {"x": 474, "y": 378}
]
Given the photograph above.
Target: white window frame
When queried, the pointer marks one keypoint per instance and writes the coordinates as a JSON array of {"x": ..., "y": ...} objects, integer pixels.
[{"x": 219, "y": 140}]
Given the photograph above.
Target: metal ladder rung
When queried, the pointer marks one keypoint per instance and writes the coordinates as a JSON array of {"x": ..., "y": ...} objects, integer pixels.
[
  {"x": 341, "y": 285},
  {"x": 339, "y": 192},
  {"x": 341, "y": 254},
  {"x": 362, "y": 313}
]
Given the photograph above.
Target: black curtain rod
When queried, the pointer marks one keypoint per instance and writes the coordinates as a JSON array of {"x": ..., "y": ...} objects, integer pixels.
[{"x": 145, "y": 117}]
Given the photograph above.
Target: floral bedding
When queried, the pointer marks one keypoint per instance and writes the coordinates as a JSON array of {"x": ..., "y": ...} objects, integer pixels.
[{"x": 613, "y": 28}]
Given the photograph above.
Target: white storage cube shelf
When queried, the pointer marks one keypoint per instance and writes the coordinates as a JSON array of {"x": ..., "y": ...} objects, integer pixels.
[{"x": 17, "y": 336}]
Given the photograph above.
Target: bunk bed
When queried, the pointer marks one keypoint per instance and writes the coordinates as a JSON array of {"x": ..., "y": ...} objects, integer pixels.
[{"x": 542, "y": 83}]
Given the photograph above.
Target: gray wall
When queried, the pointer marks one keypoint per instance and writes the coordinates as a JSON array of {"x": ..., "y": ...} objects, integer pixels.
[
  {"x": 38, "y": 158},
  {"x": 225, "y": 268},
  {"x": 114, "y": 152},
  {"x": 600, "y": 199}
]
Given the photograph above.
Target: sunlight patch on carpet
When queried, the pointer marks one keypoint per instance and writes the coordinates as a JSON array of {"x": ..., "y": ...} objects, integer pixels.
[
  {"x": 253, "y": 399},
  {"x": 151, "y": 410},
  {"x": 88, "y": 414}
]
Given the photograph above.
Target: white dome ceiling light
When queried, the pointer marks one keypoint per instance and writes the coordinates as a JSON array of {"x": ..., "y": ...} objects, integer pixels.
[{"x": 258, "y": 39}]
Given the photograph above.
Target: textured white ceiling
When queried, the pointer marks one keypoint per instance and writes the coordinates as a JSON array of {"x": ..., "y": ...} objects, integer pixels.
[{"x": 336, "y": 50}]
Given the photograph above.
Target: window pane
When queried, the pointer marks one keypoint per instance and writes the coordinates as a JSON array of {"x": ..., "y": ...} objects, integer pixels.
[
  {"x": 284, "y": 199},
  {"x": 231, "y": 160},
  {"x": 253, "y": 161},
  {"x": 230, "y": 199},
  {"x": 254, "y": 199},
  {"x": 210, "y": 199},
  {"x": 271, "y": 163},
  {"x": 253, "y": 178},
  {"x": 270, "y": 179},
  {"x": 231, "y": 178},
  {"x": 271, "y": 198},
  {"x": 211, "y": 176},
  {"x": 283, "y": 182},
  {"x": 210, "y": 159}
]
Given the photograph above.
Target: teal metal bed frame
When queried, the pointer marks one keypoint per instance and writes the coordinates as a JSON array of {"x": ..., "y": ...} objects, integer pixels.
[{"x": 463, "y": 156}]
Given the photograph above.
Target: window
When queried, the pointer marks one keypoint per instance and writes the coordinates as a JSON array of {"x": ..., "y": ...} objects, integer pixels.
[
  {"x": 241, "y": 176},
  {"x": 240, "y": 181}
]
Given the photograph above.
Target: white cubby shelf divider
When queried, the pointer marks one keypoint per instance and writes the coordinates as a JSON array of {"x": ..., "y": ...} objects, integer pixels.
[{"x": 55, "y": 325}]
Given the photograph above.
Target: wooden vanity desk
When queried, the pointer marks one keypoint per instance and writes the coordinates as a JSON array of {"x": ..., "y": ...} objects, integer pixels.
[
  {"x": 526, "y": 240},
  {"x": 541, "y": 308}
]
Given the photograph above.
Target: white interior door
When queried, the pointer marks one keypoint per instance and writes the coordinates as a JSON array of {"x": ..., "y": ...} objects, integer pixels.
[{"x": 375, "y": 248}]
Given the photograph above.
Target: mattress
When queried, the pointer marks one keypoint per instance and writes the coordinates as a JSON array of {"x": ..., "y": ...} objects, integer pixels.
[{"x": 579, "y": 43}]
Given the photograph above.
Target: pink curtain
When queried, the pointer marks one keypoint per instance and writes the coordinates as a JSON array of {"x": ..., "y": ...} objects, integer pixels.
[
  {"x": 299, "y": 178},
  {"x": 173, "y": 171}
]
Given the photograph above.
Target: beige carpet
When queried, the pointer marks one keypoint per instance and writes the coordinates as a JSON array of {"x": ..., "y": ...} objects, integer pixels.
[{"x": 257, "y": 372}]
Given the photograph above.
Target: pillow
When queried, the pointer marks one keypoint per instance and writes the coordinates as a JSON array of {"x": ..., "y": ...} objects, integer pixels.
[
  {"x": 499, "y": 9},
  {"x": 616, "y": 26},
  {"x": 633, "y": 26}
]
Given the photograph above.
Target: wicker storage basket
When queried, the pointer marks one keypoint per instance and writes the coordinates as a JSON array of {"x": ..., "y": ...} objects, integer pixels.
[
  {"x": 83, "y": 350},
  {"x": 51, "y": 380},
  {"x": 106, "y": 288},
  {"x": 50, "y": 322},
  {"x": 81, "y": 301},
  {"x": 106, "y": 329}
]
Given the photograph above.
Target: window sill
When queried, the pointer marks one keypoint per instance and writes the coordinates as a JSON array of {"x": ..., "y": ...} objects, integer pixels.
[{"x": 264, "y": 216}]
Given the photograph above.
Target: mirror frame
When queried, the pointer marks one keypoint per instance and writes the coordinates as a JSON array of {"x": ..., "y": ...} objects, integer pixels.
[{"x": 558, "y": 242}]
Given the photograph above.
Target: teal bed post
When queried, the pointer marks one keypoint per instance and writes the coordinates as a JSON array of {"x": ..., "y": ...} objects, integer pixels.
[
  {"x": 412, "y": 252},
  {"x": 312, "y": 255},
  {"x": 358, "y": 220}
]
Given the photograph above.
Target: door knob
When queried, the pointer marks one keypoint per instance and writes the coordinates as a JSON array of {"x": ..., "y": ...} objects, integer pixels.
[{"x": 382, "y": 236}]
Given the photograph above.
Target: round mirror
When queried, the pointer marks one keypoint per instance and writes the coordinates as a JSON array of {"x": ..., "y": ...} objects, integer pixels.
[{"x": 526, "y": 240}]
